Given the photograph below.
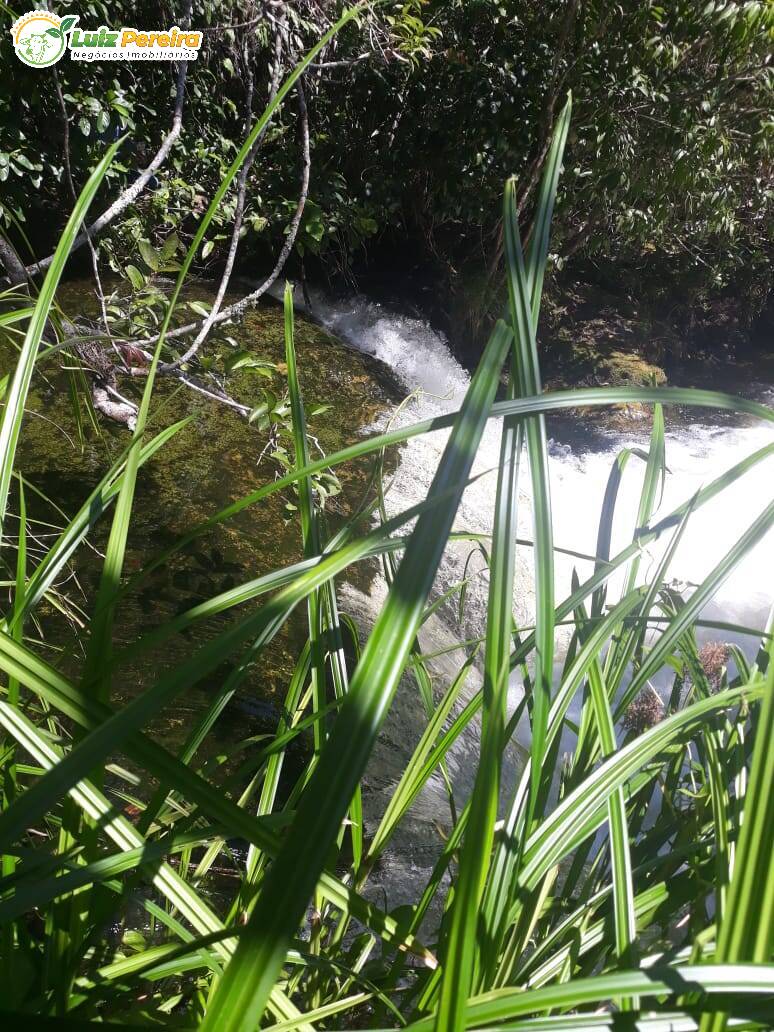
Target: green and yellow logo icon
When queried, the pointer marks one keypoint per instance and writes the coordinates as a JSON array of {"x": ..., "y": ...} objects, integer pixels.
[{"x": 40, "y": 38}]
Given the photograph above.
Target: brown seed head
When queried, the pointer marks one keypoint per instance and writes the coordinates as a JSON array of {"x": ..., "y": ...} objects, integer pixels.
[
  {"x": 645, "y": 712},
  {"x": 713, "y": 657}
]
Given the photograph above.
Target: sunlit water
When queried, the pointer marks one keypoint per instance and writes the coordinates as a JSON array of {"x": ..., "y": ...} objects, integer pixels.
[
  {"x": 697, "y": 452},
  {"x": 581, "y": 453},
  {"x": 214, "y": 461}
]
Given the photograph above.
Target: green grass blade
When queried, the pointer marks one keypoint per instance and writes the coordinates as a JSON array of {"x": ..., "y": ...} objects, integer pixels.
[
  {"x": 623, "y": 891},
  {"x": 545, "y": 403},
  {"x": 309, "y": 526},
  {"x": 47, "y": 570},
  {"x": 100, "y": 640},
  {"x": 522, "y": 279},
  {"x": 36, "y": 675},
  {"x": 417, "y": 770},
  {"x": 646, "y": 536},
  {"x": 655, "y": 469},
  {"x": 605, "y": 529},
  {"x": 16, "y": 396},
  {"x": 579, "y": 813},
  {"x": 9, "y": 785},
  {"x": 537, "y": 255},
  {"x": 525, "y": 292},
  {"x": 528, "y": 384},
  {"x": 260, "y": 628},
  {"x": 115, "y": 826},
  {"x": 747, "y": 929},
  {"x": 459, "y": 956},
  {"x": 724, "y": 980},
  {"x": 240, "y": 998},
  {"x": 699, "y": 599},
  {"x": 498, "y": 901}
]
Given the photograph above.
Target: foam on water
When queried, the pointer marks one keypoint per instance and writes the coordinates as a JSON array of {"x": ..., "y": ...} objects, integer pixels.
[
  {"x": 421, "y": 361},
  {"x": 696, "y": 455}
]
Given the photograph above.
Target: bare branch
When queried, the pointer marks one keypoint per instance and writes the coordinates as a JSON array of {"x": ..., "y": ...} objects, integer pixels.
[
  {"x": 133, "y": 191},
  {"x": 119, "y": 411},
  {"x": 251, "y": 299},
  {"x": 210, "y": 391},
  {"x": 13, "y": 264},
  {"x": 239, "y": 212}
]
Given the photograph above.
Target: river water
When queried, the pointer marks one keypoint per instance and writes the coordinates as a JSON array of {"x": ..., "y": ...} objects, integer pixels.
[
  {"x": 700, "y": 446},
  {"x": 385, "y": 356}
]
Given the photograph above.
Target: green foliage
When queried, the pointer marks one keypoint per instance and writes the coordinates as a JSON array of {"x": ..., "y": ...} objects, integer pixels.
[
  {"x": 671, "y": 137},
  {"x": 624, "y": 876},
  {"x": 418, "y": 114},
  {"x": 605, "y": 894}
]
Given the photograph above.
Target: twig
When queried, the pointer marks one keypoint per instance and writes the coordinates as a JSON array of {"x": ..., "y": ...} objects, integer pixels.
[
  {"x": 239, "y": 212},
  {"x": 74, "y": 194},
  {"x": 240, "y": 307},
  {"x": 209, "y": 392},
  {"x": 122, "y": 411},
  {"x": 133, "y": 191}
]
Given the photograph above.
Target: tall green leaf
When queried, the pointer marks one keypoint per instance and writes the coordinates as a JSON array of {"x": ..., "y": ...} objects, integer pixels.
[
  {"x": 241, "y": 996},
  {"x": 16, "y": 396}
]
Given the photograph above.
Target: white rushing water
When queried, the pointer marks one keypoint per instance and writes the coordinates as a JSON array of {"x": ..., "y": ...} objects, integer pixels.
[{"x": 696, "y": 454}]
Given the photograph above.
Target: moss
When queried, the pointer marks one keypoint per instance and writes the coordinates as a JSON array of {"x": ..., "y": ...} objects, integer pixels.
[
  {"x": 632, "y": 368},
  {"x": 587, "y": 336},
  {"x": 212, "y": 462},
  {"x": 592, "y": 338}
]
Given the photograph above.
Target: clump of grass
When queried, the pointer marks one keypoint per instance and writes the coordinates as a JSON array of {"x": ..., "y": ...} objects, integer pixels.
[{"x": 557, "y": 913}]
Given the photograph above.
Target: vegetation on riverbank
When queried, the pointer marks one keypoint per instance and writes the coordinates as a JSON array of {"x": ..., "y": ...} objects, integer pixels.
[
  {"x": 621, "y": 882},
  {"x": 409, "y": 123}
]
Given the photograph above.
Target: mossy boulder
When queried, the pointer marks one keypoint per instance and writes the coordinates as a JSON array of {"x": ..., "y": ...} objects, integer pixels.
[
  {"x": 606, "y": 366},
  {"x": 587, "y": 336},
  {"x": 592, "y": 338}
]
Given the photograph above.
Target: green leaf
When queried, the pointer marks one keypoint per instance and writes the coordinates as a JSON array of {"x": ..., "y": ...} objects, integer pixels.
[
  {"x": 734, "y": 981},
  {"x": 136, "y": 277},
  {"x": 546, "y": 403},
  {"x": 241, "y": 996},
  {"x": 310, "y": 530},
  {"x": 13, "y": 410},
  {"x": 460, "y": 955},
  {"x": 746, "y": 927},
  {"x": 169, "y": 247},
  {"x": 21, "y": 159},
  {"x": 258, "y": 411},
  {"x": 149, "y": 254},
  {"x": 246, "y": 360}
]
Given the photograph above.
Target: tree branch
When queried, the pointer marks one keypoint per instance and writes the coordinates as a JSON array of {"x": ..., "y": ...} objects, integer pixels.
[
  {"x": 251, "y": 299},
  {"x": 14, "y": 266},
  {"x": 133, "y": 191},
  {"x": 240, "y": 207}
]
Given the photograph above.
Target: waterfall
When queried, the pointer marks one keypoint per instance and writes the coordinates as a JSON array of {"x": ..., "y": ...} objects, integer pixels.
[{"x": 696, "y": 453}]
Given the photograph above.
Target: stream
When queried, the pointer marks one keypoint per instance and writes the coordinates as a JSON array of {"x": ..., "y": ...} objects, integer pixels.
[
  {"x": 363, "y": 359},
  {"x": 700, "y": 445}
]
